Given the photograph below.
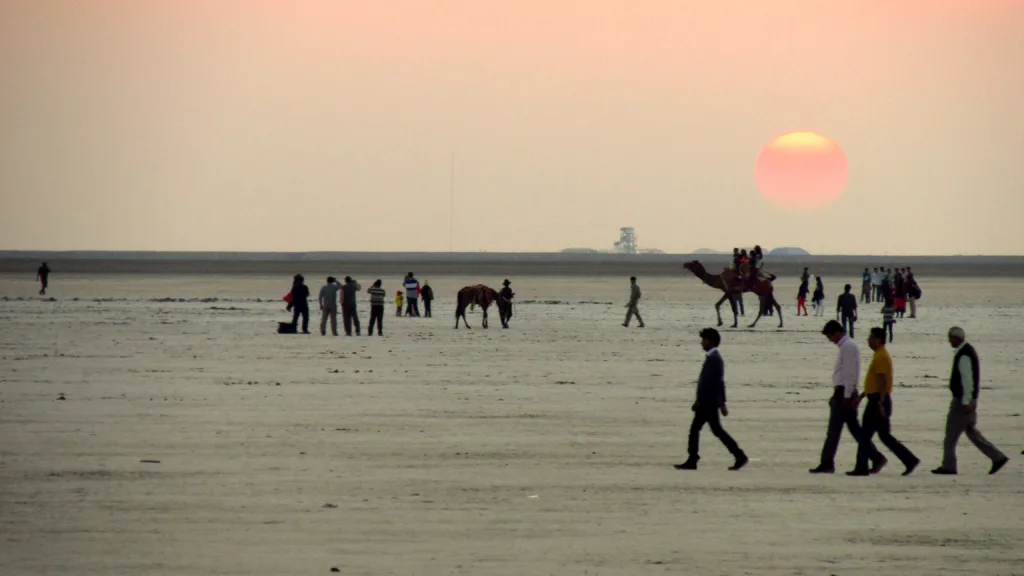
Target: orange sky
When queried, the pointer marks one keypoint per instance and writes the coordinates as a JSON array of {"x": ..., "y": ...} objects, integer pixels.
[{"x": 326, "y": 125}]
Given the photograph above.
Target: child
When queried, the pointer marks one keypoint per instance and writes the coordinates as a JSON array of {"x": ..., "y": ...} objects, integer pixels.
[
  {"x": 888, "y": 317},
  {"x": 399, "y": 300}
]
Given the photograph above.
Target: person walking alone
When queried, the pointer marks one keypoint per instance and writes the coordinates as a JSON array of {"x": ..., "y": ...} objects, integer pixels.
[
  {"x": 843, "y": 404},
  {"x": 878, "y": 413},
  {"x": 965, "y": 385},
  {"x": 328, "y": 300},
  {"x": 846, "y": 308},
  {"x": 377, "y": 295},
  {"x": 349, "y": 314},
  {"x": 711, "y": 400},
  {"x": 43, "y": 276},
  {"x": 631, "y": 306}
]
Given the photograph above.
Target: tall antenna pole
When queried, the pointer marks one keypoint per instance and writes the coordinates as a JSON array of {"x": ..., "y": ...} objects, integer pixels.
[{"x": 451, "y": 208}]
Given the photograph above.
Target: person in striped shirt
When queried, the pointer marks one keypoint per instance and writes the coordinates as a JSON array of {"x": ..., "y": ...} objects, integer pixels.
[
  {"x": 888, "y": 316},
  {"x": 377, "y": 295}
]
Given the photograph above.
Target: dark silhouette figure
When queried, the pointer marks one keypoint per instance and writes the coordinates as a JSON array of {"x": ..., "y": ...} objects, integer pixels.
[
  {"x": 349, "y": 314},
  {"x": 43, "y": 276},
  {"x": 427, "y": 295},
  {"x": 505, "y": 296},
  {"x": 299, "y": 303}
]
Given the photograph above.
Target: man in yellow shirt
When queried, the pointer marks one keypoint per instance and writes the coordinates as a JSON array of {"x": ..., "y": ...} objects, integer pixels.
[{"x": 877, "y": 414}]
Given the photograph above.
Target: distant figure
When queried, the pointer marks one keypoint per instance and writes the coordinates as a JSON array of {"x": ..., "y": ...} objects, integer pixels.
[
  {"x": 806, "y": 275},
  {"x": 328, "y": 300},
  {"x": 819, "y": 297},
  {"x": 631, "y": 306},
  {"x": 412, "y": 286},
  {"x": 399, "y": 300},
  {"x": 876, "y": 283},
  {"x": 299, "y": 303},
  {"x": 43, "y": 276},
  {"x": 505, "y": 296},
  {"x": 878, "y": 413},
  {"x": 349, "y": 314},
  {"x": 899, "y": 290},
  {"x": 801, "y": 296},
  {"x": 965, "y": 384},
  {"x": 427, "y": 295},
  {"x": 846, "y": 308},
  {"x": 865, "y": 287},
  {"x": 711, "y": 400},
  {"x": 377, "y": 295},
  {"x": 843, "y": 404},
  {"x": 888, "y": 317},
  {"x": 737, "y": 260}
]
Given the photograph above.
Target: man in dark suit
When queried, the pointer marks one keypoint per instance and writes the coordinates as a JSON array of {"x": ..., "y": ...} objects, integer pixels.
[{"x": 711, "y": 399}]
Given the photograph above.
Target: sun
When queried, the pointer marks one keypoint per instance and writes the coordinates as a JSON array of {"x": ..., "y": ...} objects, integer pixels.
[{"x": 802, "y": 171}]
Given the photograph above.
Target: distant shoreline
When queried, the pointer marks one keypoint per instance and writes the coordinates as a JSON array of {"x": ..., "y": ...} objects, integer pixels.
[{"x": 479, "y": 264}]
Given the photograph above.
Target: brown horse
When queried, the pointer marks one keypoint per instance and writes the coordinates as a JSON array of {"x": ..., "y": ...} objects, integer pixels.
[
  {"x": 478, "y": 295},
  {"x": 734, "y": 285}
]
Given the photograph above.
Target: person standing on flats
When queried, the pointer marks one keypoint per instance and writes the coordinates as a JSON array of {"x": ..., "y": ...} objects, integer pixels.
[
  {"x": 965, "y": 384},
  {"x": 846, "y": 307},
  {"x": 631, "y": 307},
  {"x": 427, "y": 296},
  {"x": 711, "y": 400},
  {"x": 349, "y": 314},
  {"x": 412, "y": 290},
  {"x": 878, "y": 413},
  {"x": 377, "y": 295},
  {"x": 329, "y": 305},
  {"x": 843, "y": 404},
  {"x": 299, "y": 303}
]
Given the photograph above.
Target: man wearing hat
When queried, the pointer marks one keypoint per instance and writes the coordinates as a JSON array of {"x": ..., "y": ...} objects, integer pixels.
[
  {"x": 505, "y": 296},
  {"x": 965, "y": 384}
]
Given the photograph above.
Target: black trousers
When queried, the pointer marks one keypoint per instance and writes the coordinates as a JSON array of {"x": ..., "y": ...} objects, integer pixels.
[
  {"x": 44, "y": 283},
  {"x": 848, "y": 322},
  {"x": 301, "y": 311},
  {"x": 874, "y": 423},
  {"x": 840, "y": 414},
  {"x": 376, "y": 319},
  {"x": 426, "y": 308},
  {"x": 708, "y": 414},
  {"x": 350, "y": 317}
]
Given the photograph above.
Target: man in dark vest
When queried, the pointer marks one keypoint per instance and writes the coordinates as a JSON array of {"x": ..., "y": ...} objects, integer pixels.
[
  {"x": 965, "y": 384},
  {"x": 711, "y": 400}
]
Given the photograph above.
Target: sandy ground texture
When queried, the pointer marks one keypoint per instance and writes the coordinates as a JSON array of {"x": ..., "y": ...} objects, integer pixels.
[{"x": 543, "y": 449}]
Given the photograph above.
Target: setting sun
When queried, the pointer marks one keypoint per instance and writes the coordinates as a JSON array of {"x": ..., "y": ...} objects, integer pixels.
[{"x": 801, "y": 171}]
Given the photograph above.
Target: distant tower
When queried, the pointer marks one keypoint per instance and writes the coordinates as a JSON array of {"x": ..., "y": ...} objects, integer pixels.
[{"x": 627, "y": 241}]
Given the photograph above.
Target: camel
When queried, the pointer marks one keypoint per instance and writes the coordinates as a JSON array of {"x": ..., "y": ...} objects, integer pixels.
[
  {"x": 732, "y": 285},
  {"x": 478, "y": 295}
]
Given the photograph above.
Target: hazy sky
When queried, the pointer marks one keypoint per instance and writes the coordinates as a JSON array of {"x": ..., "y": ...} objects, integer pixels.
[{"x": 291, "y": 125}]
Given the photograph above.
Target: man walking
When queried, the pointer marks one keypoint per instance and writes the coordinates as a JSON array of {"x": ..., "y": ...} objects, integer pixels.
[
  {"x": 865, "y": 287},
  {"x": 631, "y": 307},
  {"x": 43, "y": 276},
  {"x": 329, "y": 306},
  {"x": 965, "y": 384},
  {"x": 846, "y": 308},
  {"x": 711, "y": 400},
  {"x": 411, "y": 285},
  {"x": 843, "y": 405},
  {"x": 505, "y": 296},
  {"x": 349, "y": 314},
  {"x": 377, "y": 295},
  {"x": 878, "y": 413}
]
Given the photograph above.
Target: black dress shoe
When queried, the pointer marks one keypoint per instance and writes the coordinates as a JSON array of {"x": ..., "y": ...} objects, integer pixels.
[
  {"x": 997, "y": 466},
  {"x": 911, "y": 467},
  {"x": 943, "y": 472},
  {"x": 879, "y": 465},
  {"x": 822, "y": 470},
  {"x": 740, "y": 463},
  {"x": 859, "y": 473},
  {"x": 688, "y": 465}
]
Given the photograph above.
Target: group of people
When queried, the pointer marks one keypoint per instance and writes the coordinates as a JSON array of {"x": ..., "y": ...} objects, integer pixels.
[
  {"x": 748, "y": 265},
  {"x": 962, "y": 417},
  {"x": 896, "y": 289},
  {"x": 343, "y": 296}
]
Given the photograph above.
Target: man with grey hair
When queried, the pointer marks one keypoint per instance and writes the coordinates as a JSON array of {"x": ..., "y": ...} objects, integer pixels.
[{"x": 965, "y": 384}]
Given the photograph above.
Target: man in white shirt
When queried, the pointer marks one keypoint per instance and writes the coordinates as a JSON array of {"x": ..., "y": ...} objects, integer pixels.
[
  {"x": 965, "y": 385},
  {"x": 843, "y": 404}
]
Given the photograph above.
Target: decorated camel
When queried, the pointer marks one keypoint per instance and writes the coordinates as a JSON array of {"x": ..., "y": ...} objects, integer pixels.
[
  {"x": 478, "y": 295},
  {"x": 732, "y": 284}
]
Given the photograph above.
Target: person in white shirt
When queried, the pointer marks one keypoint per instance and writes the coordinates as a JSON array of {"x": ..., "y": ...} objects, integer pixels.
[
  {"x": 843, "y": 404},
  {"x": 328, "y": 300},
  {"x": 965, "y": 385}
]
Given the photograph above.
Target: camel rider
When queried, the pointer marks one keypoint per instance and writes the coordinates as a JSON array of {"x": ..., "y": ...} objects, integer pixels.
[
  {"x": 756, "y": 262},
  {"x": 737, "y": 260}
]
